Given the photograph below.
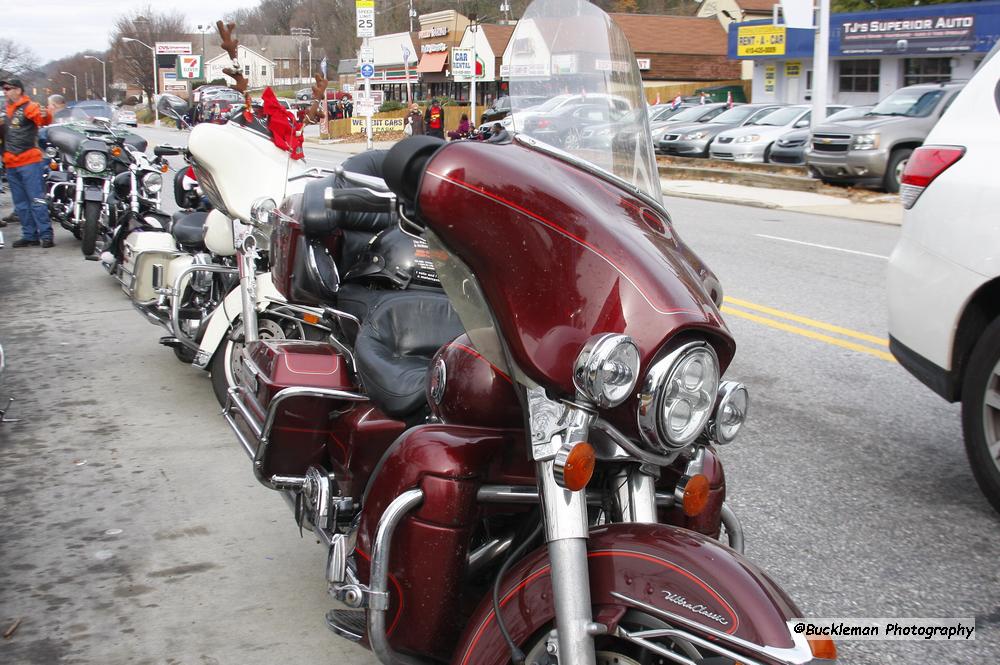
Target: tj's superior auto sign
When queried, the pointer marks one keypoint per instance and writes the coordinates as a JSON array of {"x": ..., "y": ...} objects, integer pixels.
[{"x": 924, "y": 34}]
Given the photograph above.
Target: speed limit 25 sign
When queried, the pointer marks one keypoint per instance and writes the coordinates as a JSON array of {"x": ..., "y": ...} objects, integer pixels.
[{"x": 365, "y": 17}]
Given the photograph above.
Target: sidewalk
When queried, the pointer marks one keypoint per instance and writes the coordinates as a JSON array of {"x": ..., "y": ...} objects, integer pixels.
[{"x": 881, "y": 212}]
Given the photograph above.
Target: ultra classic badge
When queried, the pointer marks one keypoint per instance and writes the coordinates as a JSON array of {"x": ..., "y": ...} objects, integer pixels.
[{"x": 697, "y": 609}]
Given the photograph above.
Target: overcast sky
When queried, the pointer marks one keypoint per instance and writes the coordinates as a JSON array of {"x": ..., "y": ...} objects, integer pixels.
[{"x": 57, "y": 28}]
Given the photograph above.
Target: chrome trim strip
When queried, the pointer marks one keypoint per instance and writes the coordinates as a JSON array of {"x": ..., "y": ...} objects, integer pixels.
[
  {"x": 529, "y": 494},
  {"x": 639, "y": 638},
  {"x": 378, "y": 584},
  {"x": 797, "y": 655}
]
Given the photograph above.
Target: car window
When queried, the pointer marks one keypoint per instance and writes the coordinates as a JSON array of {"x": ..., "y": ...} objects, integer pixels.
[
  {"x": 734, "y": 115},
  {"x": 692, "y": 114},
  {"x": 712, "y": 114},
  {"x": 948, "y": 103},
  {"x": 779, "y": 117},
  {"x": 909, "y": 102}
]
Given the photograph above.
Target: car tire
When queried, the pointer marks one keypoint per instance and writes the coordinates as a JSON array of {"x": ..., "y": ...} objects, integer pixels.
[
  {"x": 894, "y": 169},
  {"x": 980, "y": 418},
  {"x": 572, "y": 140},
  {"x": 91, "y": 222},
  {"x": 767, "y": 154}
]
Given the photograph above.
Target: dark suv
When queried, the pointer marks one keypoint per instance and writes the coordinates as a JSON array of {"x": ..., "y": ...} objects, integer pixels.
[{"x": 501, "y": 107}]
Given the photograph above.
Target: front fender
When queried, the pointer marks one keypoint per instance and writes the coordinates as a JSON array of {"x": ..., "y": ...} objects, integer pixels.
[
  {"x": 678, "y": 576},
  {"x": 226, "y": 314}
]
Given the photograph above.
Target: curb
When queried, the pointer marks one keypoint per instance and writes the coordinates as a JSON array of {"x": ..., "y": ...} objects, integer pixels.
[{"x": 772, "y": 206}]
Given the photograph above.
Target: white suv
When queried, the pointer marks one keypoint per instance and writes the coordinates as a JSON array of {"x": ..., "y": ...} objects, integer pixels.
[{"x": 944, "y": 274}]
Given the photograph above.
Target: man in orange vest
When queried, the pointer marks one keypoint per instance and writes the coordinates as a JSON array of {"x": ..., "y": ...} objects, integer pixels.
[{"x": 23, "y": 160}]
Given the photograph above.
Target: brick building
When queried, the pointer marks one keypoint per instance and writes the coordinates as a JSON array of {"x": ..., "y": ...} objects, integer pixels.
[{"x": 678, "y": 49}]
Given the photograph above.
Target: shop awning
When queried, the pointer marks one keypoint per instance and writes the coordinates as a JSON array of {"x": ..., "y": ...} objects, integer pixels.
[{"x": 431, "y": 63}]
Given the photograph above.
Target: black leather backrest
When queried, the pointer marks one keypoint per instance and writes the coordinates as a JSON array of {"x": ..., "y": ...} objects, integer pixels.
[{"x": 405, "y": 164}]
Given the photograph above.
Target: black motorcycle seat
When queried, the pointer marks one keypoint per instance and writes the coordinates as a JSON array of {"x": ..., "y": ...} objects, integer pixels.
[
  {"x": 396, "y": 344},
  {"x": 189, "y": 230}
]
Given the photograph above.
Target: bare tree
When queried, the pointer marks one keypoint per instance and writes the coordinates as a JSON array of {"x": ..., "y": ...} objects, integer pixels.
[
  {"x": 132, "y": 61},
  {"x": 16, "y": 59}
]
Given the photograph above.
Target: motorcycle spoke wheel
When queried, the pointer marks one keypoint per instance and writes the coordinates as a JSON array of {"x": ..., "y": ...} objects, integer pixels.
[{"x": 226, "y": 366}]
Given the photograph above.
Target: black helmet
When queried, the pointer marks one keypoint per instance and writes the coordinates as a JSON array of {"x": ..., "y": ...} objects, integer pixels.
[{"x": 395, "y": 260}]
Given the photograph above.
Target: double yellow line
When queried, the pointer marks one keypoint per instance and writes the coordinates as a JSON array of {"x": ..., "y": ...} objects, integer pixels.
[{"x": 756, "y": 313}]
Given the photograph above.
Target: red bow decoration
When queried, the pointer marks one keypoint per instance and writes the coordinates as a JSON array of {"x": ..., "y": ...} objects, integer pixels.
[{"x": 286, "y": 131}]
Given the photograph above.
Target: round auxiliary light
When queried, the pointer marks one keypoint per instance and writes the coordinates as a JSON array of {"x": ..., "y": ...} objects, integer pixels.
[
  {"x": 678, "y": 396},
  {"x": 607, "y": 369},
  {"x": 260, "y": 209},
  {"x": 731, "y": 409},
  {"x": 574, "y": 465}
]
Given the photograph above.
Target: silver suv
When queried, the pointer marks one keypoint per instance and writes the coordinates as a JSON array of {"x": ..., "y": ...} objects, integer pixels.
[{"x": 874, "y": 149}]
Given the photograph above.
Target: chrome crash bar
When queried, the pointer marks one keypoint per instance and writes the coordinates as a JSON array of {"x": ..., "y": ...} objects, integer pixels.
[{"x": 175, "y": 301}]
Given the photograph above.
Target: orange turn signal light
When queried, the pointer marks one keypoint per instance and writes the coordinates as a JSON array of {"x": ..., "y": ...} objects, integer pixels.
[
  {"x": 310, "y": 318},
  {"x": 823, "y": 648},
  {"x": 164, "y": 167},
  {"x": 695, "y": 495},
  {"x": 579, "y": 466},
  {"x": 53, "y": 166},
  {"x": 116, "y": 151}
]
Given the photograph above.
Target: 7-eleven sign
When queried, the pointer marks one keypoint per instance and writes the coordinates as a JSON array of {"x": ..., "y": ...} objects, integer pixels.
[{"x": 189, "y": 67}]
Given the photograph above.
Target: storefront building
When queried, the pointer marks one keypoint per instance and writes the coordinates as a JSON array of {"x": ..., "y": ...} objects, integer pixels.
[
  {"x": 872, "y": 54},
  {"x": 439, "y": 32},
  {"x": 395, "y": 62},
  {"x": 490, "y": 40}
]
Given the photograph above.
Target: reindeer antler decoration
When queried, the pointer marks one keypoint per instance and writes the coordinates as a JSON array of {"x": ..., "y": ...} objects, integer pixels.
[
  {"x": 230, "y": 45},
  {"x": 315, "y": 112}
]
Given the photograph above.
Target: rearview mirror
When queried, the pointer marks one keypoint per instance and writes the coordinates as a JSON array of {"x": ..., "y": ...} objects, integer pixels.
[{"x": 801, "y": 123}]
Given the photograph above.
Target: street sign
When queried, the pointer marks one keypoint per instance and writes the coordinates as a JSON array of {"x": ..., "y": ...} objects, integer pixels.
[
  {"x": 366, "y": 55},
  {"x": 367, "y": 70},
  {"x": 364, "y": 107},
  {"x": 364, "y": 12}
]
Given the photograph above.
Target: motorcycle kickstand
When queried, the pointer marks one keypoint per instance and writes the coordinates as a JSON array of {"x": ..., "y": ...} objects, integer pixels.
[{"x": 3, "y": 413}]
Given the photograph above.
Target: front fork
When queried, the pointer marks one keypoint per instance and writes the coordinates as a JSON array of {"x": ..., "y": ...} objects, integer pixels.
[{"x": 247, "y": 258}]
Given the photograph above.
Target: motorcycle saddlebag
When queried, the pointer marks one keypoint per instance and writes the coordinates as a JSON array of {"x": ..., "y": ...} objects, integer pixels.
[
  {"x": 303, "y": 426},
  {"x": 142, "y": 250}
]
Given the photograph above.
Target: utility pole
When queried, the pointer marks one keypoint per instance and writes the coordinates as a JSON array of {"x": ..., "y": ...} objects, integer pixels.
[
  {"x": 413, "y": 15},
  {"x": 821, "y": 63},
  {"x": 301, "y": 34},
  {"x": 472, "y": 91}
]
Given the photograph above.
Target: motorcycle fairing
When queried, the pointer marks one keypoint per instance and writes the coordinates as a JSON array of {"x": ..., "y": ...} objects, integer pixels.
[
  {"x": 672, "y": 570},
  {"x": 562, "y": 255}
]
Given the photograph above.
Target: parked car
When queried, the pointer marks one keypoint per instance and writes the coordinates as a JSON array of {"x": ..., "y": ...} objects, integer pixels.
[
  {"x": 567, "y": 126},
  {"x": 753, "y": 142},
  {"x": 874, "y": 149},
  {"x": 90, "y": 109},
  {"x": 944, "y": 278},
  {"x": 124, "y": 116},
  {"x": 500, "y": 108},
  {"x": 305, "y": 94},
  {"x": 790, "y": 148},
  {"x": 694, "y": 139},
  {"x": 554, "y": 104}
]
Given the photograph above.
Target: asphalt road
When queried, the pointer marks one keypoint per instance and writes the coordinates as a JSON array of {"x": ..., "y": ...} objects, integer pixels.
[{"x": 850, "y": 478}]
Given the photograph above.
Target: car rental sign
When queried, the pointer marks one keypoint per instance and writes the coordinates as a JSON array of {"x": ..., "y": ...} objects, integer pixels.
[{"x": 759, "y": 40}]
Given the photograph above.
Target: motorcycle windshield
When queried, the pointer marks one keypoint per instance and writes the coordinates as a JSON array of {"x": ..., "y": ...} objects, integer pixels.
[{"x": 573, "y": 55}]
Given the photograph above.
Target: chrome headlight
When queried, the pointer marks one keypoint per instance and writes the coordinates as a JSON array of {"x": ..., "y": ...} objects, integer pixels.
[
  {"x": 731, "y": 409},
  {"x": 607, "y": 369},
  {"x": 748, "y": 138},
  {"x": 51, "y": 152},
  {"x": 95, "y": 161},
  {"x": 865, "y": 142},
  {"x": 260, "y": 209},
  {"x": 678, "y": 396},
  {"x": 152, "y": 182},
  {"x": 695, "y": 136}
]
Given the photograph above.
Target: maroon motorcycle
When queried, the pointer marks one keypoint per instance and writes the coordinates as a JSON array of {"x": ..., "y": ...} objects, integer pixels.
[{"x": 508, "y": 443}]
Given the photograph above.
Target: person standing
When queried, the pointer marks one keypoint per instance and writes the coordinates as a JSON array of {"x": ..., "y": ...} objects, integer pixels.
[
  {"x": 434, "y": 120},
  {"x": 23, "y": 160},
  {"x": 415, "y": 121}
]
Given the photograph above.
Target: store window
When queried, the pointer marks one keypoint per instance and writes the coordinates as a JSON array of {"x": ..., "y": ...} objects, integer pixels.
[
  {"x": 926, "y": 70},
  {"x": 859, "y": 75}
]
